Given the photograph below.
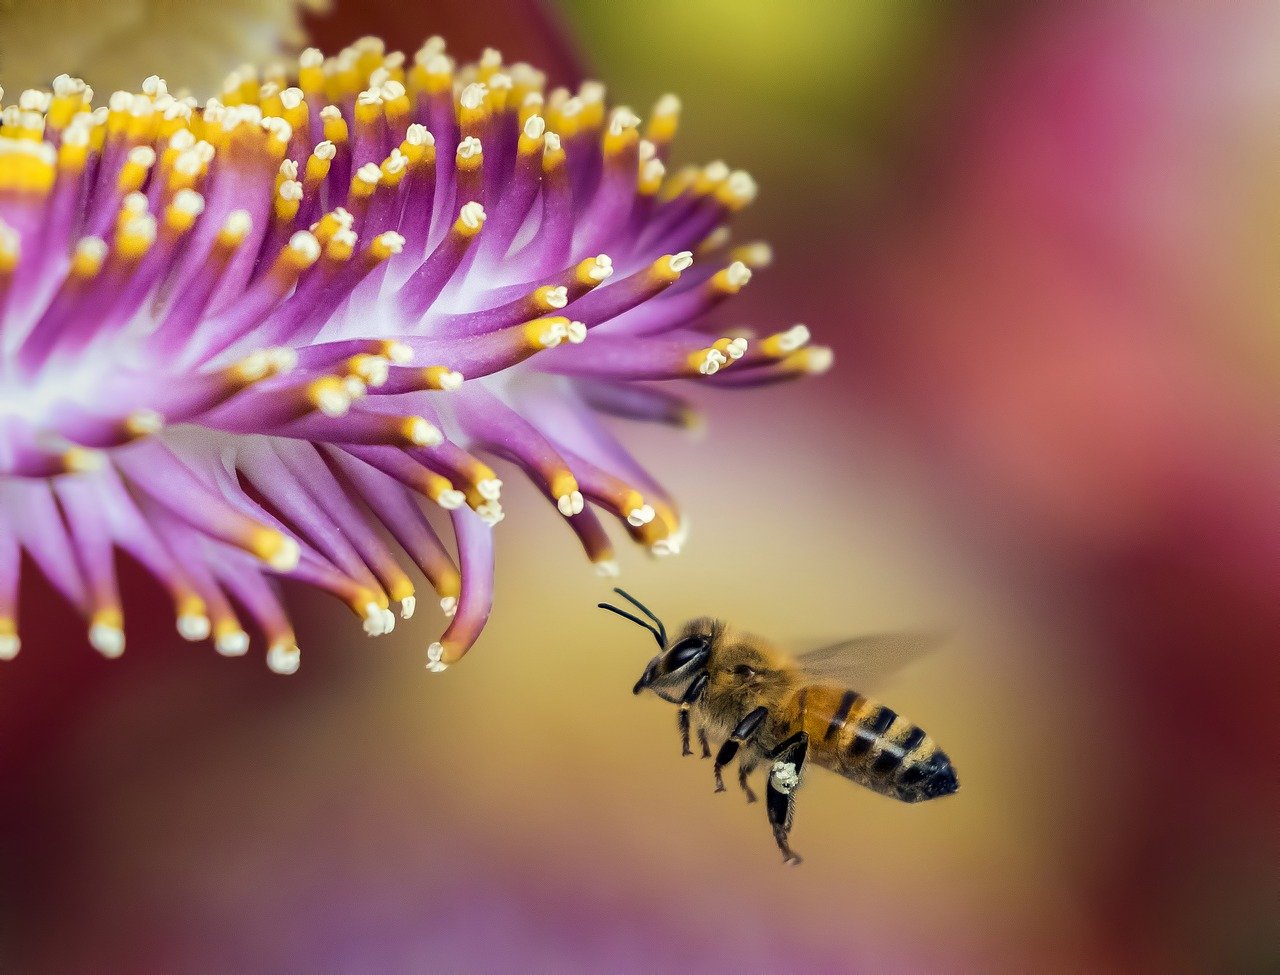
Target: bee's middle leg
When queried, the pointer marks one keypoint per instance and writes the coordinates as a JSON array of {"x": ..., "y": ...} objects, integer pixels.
[
  {"x": 691, "y": 696},
  {"x": 747, "y": 729},
  {"x": 746, "y": 766},
  {"x": 702, "y": 740}
]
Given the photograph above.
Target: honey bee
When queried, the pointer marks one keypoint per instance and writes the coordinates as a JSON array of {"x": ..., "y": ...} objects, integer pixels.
[{"x": 764, "y": 705}]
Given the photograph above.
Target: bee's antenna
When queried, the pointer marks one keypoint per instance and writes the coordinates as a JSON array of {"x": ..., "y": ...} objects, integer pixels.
[
  {"x": 662, "y": 630},
  {"x": 662, "y": 644}
]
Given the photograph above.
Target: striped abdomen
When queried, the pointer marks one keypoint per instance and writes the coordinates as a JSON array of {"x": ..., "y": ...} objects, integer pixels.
[{"x": 871, "y": 744}]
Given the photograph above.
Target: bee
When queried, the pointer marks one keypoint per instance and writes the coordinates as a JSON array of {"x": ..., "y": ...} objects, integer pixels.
[{"x": 764, "y": 705}]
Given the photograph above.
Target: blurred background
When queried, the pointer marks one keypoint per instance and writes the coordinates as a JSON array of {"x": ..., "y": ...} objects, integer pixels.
[{"x": 1043, "y": 244}]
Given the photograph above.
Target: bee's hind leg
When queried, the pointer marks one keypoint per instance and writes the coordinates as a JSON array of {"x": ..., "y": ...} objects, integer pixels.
[
  {"x": 747, "y": 729},
  {"x": 784, "y": 779}
]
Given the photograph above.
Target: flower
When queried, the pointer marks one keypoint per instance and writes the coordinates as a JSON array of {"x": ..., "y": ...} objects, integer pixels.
[{"x": 241, "y": 339}]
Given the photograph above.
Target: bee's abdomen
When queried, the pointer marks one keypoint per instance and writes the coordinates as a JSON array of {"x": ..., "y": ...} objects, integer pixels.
[{"x": 888, "y": 753}]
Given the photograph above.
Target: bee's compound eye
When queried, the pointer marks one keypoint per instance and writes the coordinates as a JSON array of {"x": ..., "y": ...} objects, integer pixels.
[{"x": 684, "y": 651}]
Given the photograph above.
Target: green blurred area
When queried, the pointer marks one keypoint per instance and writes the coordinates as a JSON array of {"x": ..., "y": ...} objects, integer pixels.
[{"x": 819, "y": 91}]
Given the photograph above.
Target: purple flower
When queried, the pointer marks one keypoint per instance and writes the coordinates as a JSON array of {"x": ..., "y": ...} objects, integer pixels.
[{"x": 239, "y": 340}]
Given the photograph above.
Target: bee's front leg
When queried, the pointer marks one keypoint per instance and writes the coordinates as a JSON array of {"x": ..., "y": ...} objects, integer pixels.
[
  {"x": 784, "y": 779},
  {"x": 690, "y": 697},
  {"x": 747, "y": 729}
]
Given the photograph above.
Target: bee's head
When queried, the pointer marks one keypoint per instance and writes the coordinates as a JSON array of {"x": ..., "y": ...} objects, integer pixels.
[{"x": 677, "y": 663}]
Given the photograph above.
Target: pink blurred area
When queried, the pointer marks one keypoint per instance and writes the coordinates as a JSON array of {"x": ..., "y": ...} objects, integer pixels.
[{"x": 1043, "y": 244}]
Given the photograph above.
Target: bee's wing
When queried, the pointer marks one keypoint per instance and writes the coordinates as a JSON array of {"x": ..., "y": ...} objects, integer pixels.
[{"x": 866, "y": 661}]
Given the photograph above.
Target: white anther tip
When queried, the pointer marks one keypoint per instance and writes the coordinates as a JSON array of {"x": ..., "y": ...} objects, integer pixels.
[
  {"x": 283, "y": 658},
  {"x": 821, "y": 359},
  {"x": 233, "y": 644},
  {"x": 738, "y": 274},
  {"x": 407, "y": 607},
  {"x": 681, "y": 262},
  {"x": 434, "y": 654},
  {"x": 472, "y": 215},
  {"x": 10, "y": 644},
  {"x": 374, "y": 621},
  {"x": 449, "y": 606},
  {"x": 608, "y": 569},
  {"x": 534, "y": 127},
  {"x": 451, "y": 499},
  {"x": 423, "y": 433},
  {"x": 106, "y": 639},
  {"x": 641, "y": 516},
  {"x": 286, "y": 557},
  {"x": 193, "y": 626}
]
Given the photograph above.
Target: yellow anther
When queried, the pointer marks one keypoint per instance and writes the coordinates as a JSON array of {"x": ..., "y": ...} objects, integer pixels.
[
  {"x": 470, "y": 220},
  {"x": 235, "y": 229},
  {"x": 812, "y": 359},
  {"x": 437, "y": 75},
  {"x": 311, "y": 72},
  {"x": 87, "y": 260},
  {"x": 385, "y": 246},
  {"x": 710, "y": 178},
  {"x": 418, "y": 432},
  {"x": 546, "y": 333},
  {"x": 81, "y": 460},
  {"x": 340, "y": 246},
  {"x": 401, "y": 587},
  {"x": 562, "y": 482},
  {"x": 664, "y": 121},
  {"x": 335, "y": 126},
  {"x": 781, "y": 344},
  {"x": 273, "y": 547},
  {"x": 651, "y": 173},
  {"x": 470, "y": 155},
  {"x": 330, "y": 395},
  {"x": 143, "y": 423},
  {"x": 549, "y": 298},
  {"x": 593, "y": 271},
  {"x": 134, "y": 238},
  {"x": 732, "y": 279},
  {"x": 442, "y": 378},
  {"x": 622, "y": 134},
  {"x": 553, "y": 157},
  {"x": 667, "y": 269},
  {"x": 330, "y": 224},
  {"x": 73, "y": 156},
  {"x": 678, "y": 183}
]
